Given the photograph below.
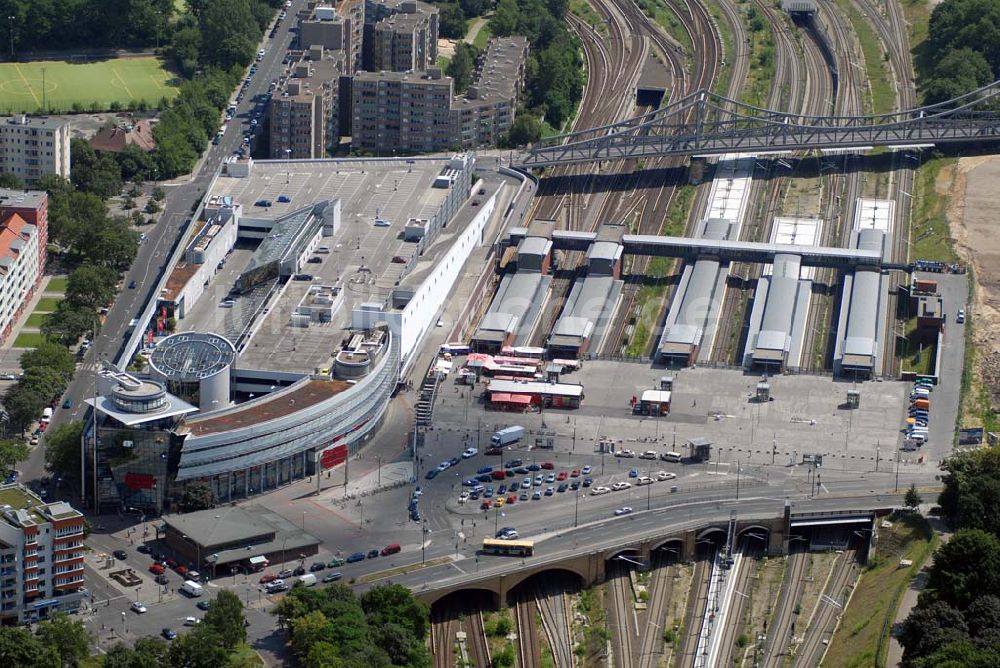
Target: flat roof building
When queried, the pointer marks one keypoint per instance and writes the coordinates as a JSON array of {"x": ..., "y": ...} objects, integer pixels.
[
  {"x": 221, "y": 539},
  {"x": 400, "y": 36},
  {"x": 23, "y": 252},
  {"x": 33, "y": 146},
  {"x": 418, "y": 111},
  {"x": 304, "y": 112},
  {"x": 337, "y": 27},
  {"x": 41, "y": 556}
]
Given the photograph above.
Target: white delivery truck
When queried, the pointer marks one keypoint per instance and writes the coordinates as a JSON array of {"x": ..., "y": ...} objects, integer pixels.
[
  {"x": 307, "y": 580},
  {"x": 192, "y": 588},
  {"x": 507, "y": 435}
]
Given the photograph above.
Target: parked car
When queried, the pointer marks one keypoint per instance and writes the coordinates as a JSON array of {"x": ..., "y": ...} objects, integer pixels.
[
  {"x": 156, "y": 569},
  {"x": 357, "y": 556},
  {"x": 332, "y": 577},
  {"x": 203, "y": 604},
  {"x": 335, "y": 562},
  {"x": 119, "y": 554},
  {"x": 169, "y": 634},
  {"x": 469, "y": 452},
  {"x": 372, "y": 554},
  {"x": 317, "y": 566},
  {"x": 600, "y": 489},
  {"x": 286, "y": 573},
  {"x": 268, "y": 577}
]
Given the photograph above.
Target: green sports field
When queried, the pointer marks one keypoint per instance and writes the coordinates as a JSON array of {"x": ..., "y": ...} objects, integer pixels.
[{"x": 100, "y": 83}]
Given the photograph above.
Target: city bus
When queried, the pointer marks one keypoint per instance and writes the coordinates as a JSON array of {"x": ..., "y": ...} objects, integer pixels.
[{"x": 508, "y": 548}]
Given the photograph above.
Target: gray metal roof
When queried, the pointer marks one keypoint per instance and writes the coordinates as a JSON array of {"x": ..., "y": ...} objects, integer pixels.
[
  {"x": 779, "y": 309},
  {"x": 534, "y": 246},
  {"x": 604, "y": 250},
  {"x": 684, "y": 334},
  {"x": 716, "y": 228},
  {"x": 697, "y": 300},
  {"x": 862, "y": 317},
  {"x": 871, "y": 240},
  {"x": 513, "y": 299},
  {"x": 589, "y": 298}
]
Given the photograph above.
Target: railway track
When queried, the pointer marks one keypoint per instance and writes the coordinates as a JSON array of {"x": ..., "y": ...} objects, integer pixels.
[
  {"x": 475, "y": 638},
  {"x": 623, "y": 631},
  {"x": 553, "y": 606},
  {"x": 780, "y": 630},
  {"x": 443, "y": 632},
  {"x": 528, "y": 649},
  {"x": 660, "y": 586},
  {"x": 697, "y": 607},
  {"x": 739, "y": 603},
  {"x": 828, "y": 608}
]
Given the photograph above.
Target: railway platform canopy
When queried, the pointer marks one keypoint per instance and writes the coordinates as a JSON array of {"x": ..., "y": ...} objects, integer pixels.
[{"x": 726, "y": 250}]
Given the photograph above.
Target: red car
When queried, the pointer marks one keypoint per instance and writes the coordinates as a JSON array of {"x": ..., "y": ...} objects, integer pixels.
[
  {"x": 498, "y": 475},
  {"x": 548, "y": 466},
  {"x": 486, "y": 505},
  {"x": 562, "y": 476},
  {"x": 575, "y": 473},
  {"x": 511, "y": 498},
  {"x": 42, "y": 426},
  {"x": 171, "y": 563},
  {"x": 181, "y": 569},
  {"x": 156, "y": 569},
  {"x": 264, "y": 579}
]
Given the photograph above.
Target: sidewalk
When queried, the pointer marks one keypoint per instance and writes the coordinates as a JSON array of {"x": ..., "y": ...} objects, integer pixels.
[{"x": 910, "y": 596}]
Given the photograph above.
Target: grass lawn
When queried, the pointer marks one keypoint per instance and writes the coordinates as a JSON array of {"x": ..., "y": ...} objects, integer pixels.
[
  {"x": 57, "y": 284},
  {"x": 862, "y": 637},
  {"x": 929, "y": 233},
  {"x": 883, "y": 95},
  {"x": 99, "y": 83},
  {"x": 47, "y": 304},
  {"x": 244, "y": 656},
  {"x": 36, "y": 319},
  {"x": 482, "y": 37},
  {"x": 583, "y": 9},
  {"x": 443, "y": 62},
  {"x": 28, "y": 340}
]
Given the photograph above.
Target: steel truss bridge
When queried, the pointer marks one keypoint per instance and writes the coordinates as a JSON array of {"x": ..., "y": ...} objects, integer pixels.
[{"x": 705, "y": 123}]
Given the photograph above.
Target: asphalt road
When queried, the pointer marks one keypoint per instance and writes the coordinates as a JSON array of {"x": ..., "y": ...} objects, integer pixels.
[{"x": 154, "y": 252}]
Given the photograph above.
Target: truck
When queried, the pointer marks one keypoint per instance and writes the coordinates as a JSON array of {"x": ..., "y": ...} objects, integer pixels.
[
  {"x": 307, "y": 580},
  {"x": 47, "y": 414},
  {"x": 507, "y": 435},
  {"x": 192, "y": 588}
]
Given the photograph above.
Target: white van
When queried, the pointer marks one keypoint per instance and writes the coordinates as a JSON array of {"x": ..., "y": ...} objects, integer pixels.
[
  {"x": 46, "y": 414},
  {"x": 307, "y": 580},
  {"x": 323, "y": 250},
  {"x": 671, "y": 456},
  {"x": 192, "y": 588}
]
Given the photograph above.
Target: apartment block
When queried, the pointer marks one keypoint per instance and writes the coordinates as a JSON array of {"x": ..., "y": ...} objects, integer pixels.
[
  {"x": 336, "y": 27},
  {"x": 305, "y": 107},
  {"x": 486, "y": 112},
  {"x": 417, "y": 112},
  {"x": 402, "y": 111},
  {"x": 400, "y": 36},
  {"x": 41, "y": 556},
  {"x": 31, "y": 147},
  {"x": 24, "y": 232}
]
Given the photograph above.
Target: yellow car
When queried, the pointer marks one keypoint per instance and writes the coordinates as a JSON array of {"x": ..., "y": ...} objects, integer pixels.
[{"x": 499, "y": 502}]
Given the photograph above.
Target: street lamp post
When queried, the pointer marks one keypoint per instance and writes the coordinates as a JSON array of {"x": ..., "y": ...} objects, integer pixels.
[
  {"x": 576, "y": 509},
  {"x": 423, "y": 542}
]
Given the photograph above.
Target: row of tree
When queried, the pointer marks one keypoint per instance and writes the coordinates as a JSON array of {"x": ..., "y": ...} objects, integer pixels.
[
  {"x": 63, "y": 642},
  {"x": 957, "y": 619},
  {"x": 962, "y": 49},
  {"x": 46, "y": 371},
  {"x": 333, "y": 628},
  {"x": 555, "y": 76},
  {"x": 49, "y": 25}
]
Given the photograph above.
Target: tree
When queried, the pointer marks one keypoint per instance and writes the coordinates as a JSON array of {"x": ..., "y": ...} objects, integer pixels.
[
  {"x": 308, "y": 630},
  {"x": 928, "y": 628},
  {"x": 505, "y": 19},
  {"x": 912, "y": 500},
  {"x": 225, "y": 616},
  {"x": 152, "y": 206},
  {"x": 23, "y": 405},
  {"x": 983, "y": 619},
  {"x": 971, "y": 494},
  {"x": 19, "y": 648},
  {"x": 959, "y": 654},
  {"x": 91, "y": 286},
  {"x": 201, "y": 648},
  {"x": 50, "y": 355},
  {"x": 12, "y": 451},
  {"x": 323, "y": 655},
  {"x": 394, "y": 604},
  {"x": 68, "y": 323},
  {"x": 197, "y": 496},
  {"x": 62, "y": 447},
  {"x": 956, "y": 73},
  {"x": 526, "y": 129},
  {"x": 462, "y": 66},
  {"x": 965, "y": 567},
  {"x": 12, "y": 181},
  {"x": 67, "y": 637},
  {"x": 451, "y": 21},
  {"x": 159, "y": 194}
]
